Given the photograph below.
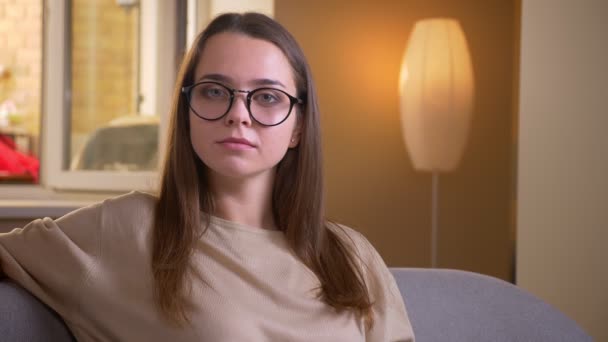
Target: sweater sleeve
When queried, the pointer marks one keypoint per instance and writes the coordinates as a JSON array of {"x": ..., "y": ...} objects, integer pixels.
[
  {"x": 52, "y": 258},
  {"x": 391, "y": 322}
]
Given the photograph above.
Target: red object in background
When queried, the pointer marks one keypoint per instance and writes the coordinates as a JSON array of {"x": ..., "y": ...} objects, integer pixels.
[{"x": 16, "y": 163}]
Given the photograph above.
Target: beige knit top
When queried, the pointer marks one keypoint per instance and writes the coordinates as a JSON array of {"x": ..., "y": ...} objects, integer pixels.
[{"x": 92, "y": 266}]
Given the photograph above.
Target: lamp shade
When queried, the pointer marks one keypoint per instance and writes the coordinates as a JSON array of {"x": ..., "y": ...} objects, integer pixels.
[{"x": 437, "y": 89}]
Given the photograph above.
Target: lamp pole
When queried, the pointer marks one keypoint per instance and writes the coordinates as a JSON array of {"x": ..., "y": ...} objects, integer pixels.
[{"x": 434, "y": 217}]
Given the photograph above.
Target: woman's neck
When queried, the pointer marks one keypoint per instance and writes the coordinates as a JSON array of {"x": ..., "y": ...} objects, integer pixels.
[{"x": 246, "y": 201}]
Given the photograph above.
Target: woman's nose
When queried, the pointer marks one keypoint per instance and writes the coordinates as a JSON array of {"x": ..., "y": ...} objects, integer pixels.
[{"x": 238, "y": 112}]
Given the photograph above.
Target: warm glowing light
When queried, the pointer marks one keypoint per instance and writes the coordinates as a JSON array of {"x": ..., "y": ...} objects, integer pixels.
[{"x": 436, "y": 86}]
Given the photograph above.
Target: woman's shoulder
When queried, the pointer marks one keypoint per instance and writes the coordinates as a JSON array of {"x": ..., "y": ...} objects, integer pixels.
[
  {"x": 357, "y": 242},
  {"x": 134, "y": 200},
  {"x": 135, "y": 208},
  {"x": 348, "y": 234},
  {"x": 372, "y": 262},
  {"x": 381, "y": 284},
  {"x": 132, "y": 206}
]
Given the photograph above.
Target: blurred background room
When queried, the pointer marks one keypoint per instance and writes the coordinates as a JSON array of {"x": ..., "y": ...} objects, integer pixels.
[{"x": 85, "y": 87}]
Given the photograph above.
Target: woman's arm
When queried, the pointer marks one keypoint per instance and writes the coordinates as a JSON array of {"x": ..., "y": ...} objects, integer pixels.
[{"x": 46, "y": 255}]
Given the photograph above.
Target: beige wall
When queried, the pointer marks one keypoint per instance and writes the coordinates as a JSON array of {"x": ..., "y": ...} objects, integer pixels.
[
  {"x": 355, "y": 50},
  {"x": 562, "y": 253}
]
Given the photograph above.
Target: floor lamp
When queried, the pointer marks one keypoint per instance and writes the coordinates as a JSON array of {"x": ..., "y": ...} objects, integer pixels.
[{"x": 436, "y": 88}]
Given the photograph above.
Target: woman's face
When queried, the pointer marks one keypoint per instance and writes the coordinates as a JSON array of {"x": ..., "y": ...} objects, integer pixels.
[{"x": 237, "y": 146}]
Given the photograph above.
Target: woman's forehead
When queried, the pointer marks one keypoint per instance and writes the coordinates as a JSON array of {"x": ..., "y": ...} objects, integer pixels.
[{"x": 244, "y": 60}]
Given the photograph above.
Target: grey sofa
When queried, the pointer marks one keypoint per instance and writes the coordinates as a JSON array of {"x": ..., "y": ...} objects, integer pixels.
[{"x": 443, "y": 305}]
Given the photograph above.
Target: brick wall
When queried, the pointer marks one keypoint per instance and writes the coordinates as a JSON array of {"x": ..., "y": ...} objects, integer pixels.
[{"x": 104, "y": 65}]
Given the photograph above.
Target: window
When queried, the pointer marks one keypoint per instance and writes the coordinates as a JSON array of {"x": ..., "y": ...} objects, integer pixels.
[
  {"x": 103, "y": 83},
  {"x": 107, "y": 92}
]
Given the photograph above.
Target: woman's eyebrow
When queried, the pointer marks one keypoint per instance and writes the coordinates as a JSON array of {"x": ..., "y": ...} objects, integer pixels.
[
  {"x": 267, "y": 82},
  {"x": 216, "y": 77},
  {"x": 257, "y": 82}
]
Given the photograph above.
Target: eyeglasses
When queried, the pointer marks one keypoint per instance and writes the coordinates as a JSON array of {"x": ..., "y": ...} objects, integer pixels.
[{"x": 212, "y": 101}]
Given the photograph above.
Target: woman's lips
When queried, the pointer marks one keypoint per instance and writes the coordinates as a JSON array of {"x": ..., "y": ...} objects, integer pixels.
[{"x": 237, "y": 143}]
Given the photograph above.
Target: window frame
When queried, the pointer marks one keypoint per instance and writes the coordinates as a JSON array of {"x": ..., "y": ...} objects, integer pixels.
[{"x": 158, "y": 53}]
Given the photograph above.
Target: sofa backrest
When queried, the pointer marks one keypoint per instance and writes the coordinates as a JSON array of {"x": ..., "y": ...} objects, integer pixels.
[{"x": 443, "y": 305}]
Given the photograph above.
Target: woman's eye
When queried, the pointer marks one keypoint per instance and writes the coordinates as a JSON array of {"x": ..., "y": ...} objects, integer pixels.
[
  {"x": 214, "y": 92},
  {"x": 267, "y": 98}
]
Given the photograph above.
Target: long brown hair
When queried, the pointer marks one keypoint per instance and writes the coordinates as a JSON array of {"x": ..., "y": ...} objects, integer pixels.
[{"x": 297, "y": 202}]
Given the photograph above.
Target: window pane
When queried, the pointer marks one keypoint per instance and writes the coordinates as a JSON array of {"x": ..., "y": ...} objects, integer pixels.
[
  {"x": 20, "y": 90},
  {"x": 107, "y": 130}
]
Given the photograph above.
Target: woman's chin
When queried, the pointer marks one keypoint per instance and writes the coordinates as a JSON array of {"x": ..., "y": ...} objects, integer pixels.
[{"x": 238, "y": 172}]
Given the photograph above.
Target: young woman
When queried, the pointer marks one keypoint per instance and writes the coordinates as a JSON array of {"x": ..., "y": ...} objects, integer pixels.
[{"x": 235, "y": 247}]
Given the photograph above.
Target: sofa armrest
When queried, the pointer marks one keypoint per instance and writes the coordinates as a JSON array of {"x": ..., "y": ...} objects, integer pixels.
[
  {"x": 451, "y": 305},
  {"x": 25, "y": 318}
]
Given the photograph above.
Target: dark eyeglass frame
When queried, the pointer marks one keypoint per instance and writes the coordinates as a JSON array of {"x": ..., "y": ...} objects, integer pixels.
[{"x": 187, "y": 91}]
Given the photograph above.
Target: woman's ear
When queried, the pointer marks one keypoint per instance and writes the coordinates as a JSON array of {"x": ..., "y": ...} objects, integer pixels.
[{"x": 296, "y": 133}]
